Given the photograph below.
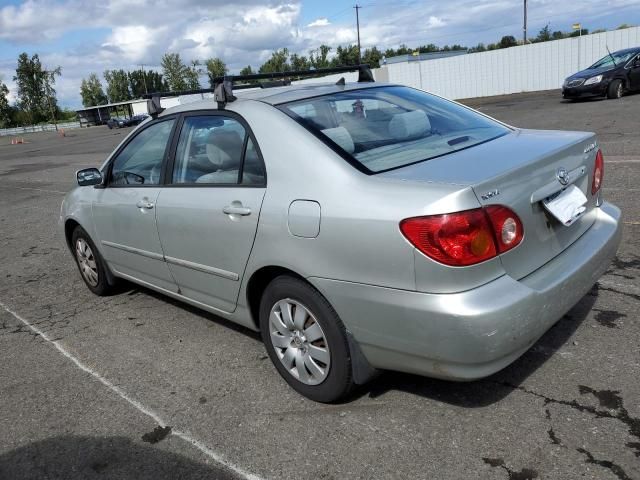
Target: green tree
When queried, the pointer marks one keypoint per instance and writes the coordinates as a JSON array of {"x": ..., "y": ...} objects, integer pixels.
[
  {"x": 428, "y": 48},
  {"x": 623, "y": 26},
  {"x": 192, "y": 75},
  {"x": 50, "y": 92},
  {"x": 346, "y": 55},
  {"x": 30, "y": 80},
  {"x": 277, "y": 63},
  {"x": 5, "y": 108},
  {"x": 557, "y": 35},
  {"x": 299, "y": 62},
  {"x": 404, "y": 50},
  {"x": 138, "y": 83},
  {"x": 155, "y": 81},
  {"x": 246, "y": 70},
  {"x": 577, "y": 33},
  {"x": 91, "y": 91},
  {"x": 372, "y": 57},
  {"x": 117, "y": 85},
  {"x": 507, "y": 41},
  {"x": 544, "y": 35},
  {"x": 215, "y": 68},
  {"x": 320, "y": 60},
  {"x": 174, "y": 71}
]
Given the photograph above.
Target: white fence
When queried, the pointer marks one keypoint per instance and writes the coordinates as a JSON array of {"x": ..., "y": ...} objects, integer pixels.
[
  {"x": 37, "y": 128},
  {"x": 526, "y": 68}
]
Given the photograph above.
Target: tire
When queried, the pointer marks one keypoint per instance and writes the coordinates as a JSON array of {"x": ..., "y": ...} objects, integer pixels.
[
  {"x": 90, "y": 263},
  {"x": 317, "y": 353},
  {"x": 615, "y": 90}
]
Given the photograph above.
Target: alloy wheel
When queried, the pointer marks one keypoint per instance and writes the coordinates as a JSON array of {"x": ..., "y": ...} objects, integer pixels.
[
  {"x": 299, "y": 341},
  {"x": 87, "y": 262}
]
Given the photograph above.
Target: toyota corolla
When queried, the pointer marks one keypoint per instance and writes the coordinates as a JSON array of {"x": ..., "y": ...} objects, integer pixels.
[{"x": 357, "y": 226}]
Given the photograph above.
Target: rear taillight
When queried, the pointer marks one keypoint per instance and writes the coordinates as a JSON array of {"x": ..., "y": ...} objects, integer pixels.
[
  {"x": 464, "y": 238},
  {"x": 507, "y": 227},
  {"x": 598, "y": 173}
]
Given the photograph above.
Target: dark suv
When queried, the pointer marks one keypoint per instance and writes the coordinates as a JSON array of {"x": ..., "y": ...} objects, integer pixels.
[{"x": 611, "y": 76}]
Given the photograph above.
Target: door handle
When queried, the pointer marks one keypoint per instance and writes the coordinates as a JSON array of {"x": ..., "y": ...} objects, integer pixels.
[
  {"x": 145, "y": 204},
  {"x": 236, "y": 210}
]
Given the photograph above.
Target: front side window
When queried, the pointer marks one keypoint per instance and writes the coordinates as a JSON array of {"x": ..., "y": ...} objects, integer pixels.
[
  {"x": 140, "y": 162},
  {"x": 214, "y": 149},
  {"x": 389, "y": 127}
]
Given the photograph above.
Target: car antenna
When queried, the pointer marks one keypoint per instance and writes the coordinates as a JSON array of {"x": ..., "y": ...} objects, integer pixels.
[{"x": 612, "y": 59}]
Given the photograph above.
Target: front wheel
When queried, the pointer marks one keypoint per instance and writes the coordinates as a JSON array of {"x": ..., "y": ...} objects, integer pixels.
[
  {"x": 615, "y": 90},
  {"x": 90, "y": 263},
  {"x": 305, "y": 340}
]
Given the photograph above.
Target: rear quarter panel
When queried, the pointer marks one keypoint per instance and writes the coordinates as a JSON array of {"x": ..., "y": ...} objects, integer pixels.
[{"x": 360, "y": 240}]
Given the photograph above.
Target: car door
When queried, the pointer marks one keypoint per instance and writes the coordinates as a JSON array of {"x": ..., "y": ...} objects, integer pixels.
[
  {"x": 634, "y": 73},
  {"x": 124, "y": 211},
  {"x": 208, "y": 211}
]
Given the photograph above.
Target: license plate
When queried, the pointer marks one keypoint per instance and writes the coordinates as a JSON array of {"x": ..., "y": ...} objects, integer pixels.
[{"x": 566, "y": 206}]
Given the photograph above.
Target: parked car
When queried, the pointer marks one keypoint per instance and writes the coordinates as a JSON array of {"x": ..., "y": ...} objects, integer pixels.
[
  {"x": 611, "y": 76},
  {"x": 358, "y": 227},
  {"x": 121, "y": 122}
]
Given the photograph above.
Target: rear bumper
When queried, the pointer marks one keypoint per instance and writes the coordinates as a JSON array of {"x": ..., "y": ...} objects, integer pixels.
[{"x": 472, "y": 334}]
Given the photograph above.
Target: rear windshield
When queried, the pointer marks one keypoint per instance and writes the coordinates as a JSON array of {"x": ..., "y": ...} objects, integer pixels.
[{"x": 383, "y": 128}]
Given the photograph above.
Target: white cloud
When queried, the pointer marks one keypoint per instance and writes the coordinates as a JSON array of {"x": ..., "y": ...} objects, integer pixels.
[
  {"x": 245, "y": 32},
  {"x": 320, "y": 22}
]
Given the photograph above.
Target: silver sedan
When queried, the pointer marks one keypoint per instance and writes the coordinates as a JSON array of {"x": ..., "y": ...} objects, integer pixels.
[{"x": 358, "y": 227}]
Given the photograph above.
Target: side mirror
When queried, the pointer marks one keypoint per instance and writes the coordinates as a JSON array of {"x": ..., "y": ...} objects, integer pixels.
[
  {"x": 89, "y": 176},
  {"x": 636, "y": 62}
]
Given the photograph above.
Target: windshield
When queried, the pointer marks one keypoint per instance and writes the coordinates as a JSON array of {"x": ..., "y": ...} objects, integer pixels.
[
  {"x": 383, "y": 128},
  {"x": 619, "y": 57}
]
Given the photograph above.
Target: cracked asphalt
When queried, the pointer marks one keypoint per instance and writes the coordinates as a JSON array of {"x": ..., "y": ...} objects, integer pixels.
[{"x": 568, "y": 409}]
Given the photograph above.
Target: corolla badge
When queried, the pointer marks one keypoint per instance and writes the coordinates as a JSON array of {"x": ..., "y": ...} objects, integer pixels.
[{"x": 563, "y": 176}]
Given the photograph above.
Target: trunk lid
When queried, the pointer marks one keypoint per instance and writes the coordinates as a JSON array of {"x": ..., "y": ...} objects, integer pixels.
[{"x": 519, "y": 170}]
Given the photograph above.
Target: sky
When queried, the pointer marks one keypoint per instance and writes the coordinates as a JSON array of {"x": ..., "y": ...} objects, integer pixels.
[{"x": 85, "y": 36}]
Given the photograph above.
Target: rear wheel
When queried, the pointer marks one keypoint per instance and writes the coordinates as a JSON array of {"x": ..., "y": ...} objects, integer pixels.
[
  {"x": 615, "y": 90},
  {"x": 90, "y": 263},
  {"x": 305, "y": 340}
]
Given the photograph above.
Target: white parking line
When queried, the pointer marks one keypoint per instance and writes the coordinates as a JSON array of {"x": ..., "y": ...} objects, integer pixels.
[{"x": 139, "y": 406}]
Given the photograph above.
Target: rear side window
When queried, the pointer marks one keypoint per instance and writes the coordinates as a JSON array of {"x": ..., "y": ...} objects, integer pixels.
[
  {"x": 384, "y": 128},
  {"x": 140, "y": 162},
  {"x": 216, "y": 150}
]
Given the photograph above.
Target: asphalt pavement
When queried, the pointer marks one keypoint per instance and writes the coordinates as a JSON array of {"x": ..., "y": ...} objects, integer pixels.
[{"x": 138, "y": 386}]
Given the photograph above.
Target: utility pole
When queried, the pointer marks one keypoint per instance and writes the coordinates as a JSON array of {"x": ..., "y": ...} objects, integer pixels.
[
  {"x": 144, "y": 79},
  {"x": 525, "y": 23},
  {"x": 358, "y": 7}
]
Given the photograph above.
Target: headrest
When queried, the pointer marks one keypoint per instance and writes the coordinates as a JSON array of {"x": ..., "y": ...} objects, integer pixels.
[
  {"x": 224, "y": 149},
  {"x": 341, "y": 136},
  {"x": 409, "y": 124}
]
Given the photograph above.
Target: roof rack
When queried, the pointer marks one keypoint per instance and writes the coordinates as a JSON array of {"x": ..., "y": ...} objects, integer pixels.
[{"x": 224, "y": 86}]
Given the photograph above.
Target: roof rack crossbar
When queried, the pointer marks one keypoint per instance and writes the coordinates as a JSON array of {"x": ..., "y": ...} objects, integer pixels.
[
  {"x": 223, "y": 89},
  {"x": 364, "y": 71}
]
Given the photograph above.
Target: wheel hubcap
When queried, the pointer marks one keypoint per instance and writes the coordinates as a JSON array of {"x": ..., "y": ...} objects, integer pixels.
[
  {"x": 299, "y": 342},
  {"x": 87, "y": 262}
]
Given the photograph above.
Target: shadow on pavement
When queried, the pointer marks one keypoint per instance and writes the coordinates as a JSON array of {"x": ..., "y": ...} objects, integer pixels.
[
  {"x": 465, "y": 394},
  {"x": 80, "y": 457}
]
